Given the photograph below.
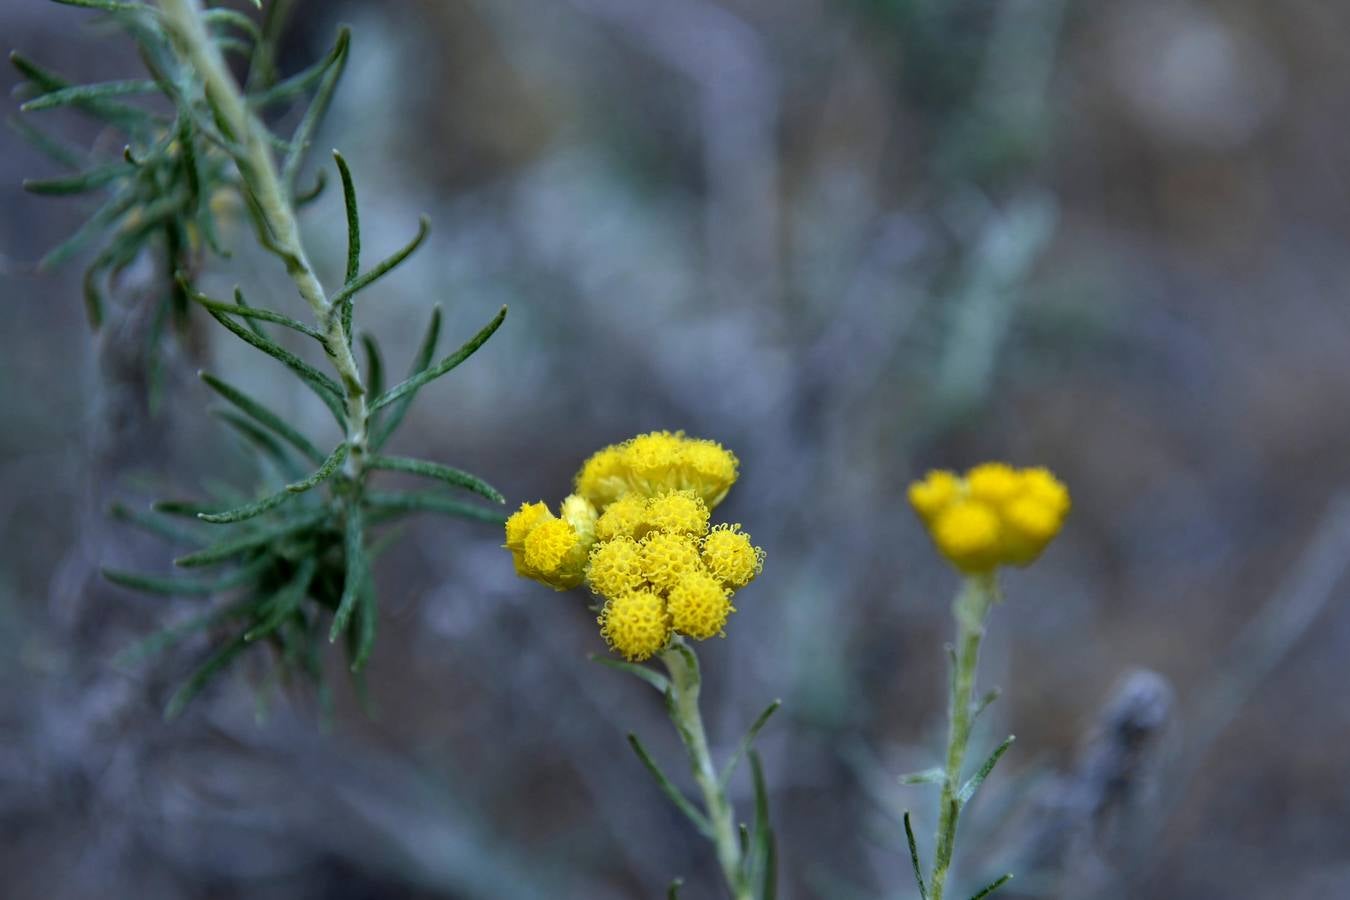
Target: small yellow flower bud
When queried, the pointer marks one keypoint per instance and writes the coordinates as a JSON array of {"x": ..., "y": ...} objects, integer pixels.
[
  {"x": 968, "y": 533},
  {"x": 938, "y": 490},
  {"x": 615, "y": 567},
  {"x": 666, "y": 558},
  {"x": 635, "y": 625},
  {"x": 622, "y": 518},
  {"x": 578, "y": 512},
  {"x": 699, "y": 606},
  {"x": 679, "y": 512},
  {"x": 730, "y": 557}
]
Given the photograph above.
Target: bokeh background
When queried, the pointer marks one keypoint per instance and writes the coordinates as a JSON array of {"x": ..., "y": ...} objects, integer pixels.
[{"x": 851, "y": 240}]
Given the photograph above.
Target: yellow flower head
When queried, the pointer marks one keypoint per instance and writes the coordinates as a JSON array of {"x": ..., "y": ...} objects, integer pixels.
[
  {"x": 615, "y": 567},
  {"x": 730, "y": 557},
  {"x": 678, "y": 512},
  {"x": 666, "y": 558},
  {"x": 624, "y": 517},
  {"x": 635, "y": 625},
  {"x": 522, "y": 522},
  {"x": 995, "y": 515},
  {"x": 656, "y": 463},
  {"x": 699, "y": 606},
  {"x": 556, "y": 554}
]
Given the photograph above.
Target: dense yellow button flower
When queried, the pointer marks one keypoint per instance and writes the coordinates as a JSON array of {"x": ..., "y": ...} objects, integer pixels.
[
  {"x": 729, "y": 555},
  {"x": 699, "y": 606},
  {"x": 635, "y": 625},
  {"x": 615, "y": 567},
  {"x": 995, "y": 515},
  {"x": 666, "y": 558},
  {"x": 678, "y": 512},
  {"x": 636, "y": 532}
]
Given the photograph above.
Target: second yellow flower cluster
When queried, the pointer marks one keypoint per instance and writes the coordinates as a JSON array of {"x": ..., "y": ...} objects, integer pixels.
[
  {"x": 637, "y": 533},
  {"x": 995, "y": 515}
]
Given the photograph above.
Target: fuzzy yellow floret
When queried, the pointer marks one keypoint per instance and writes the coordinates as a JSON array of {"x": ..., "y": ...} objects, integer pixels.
[
  {"x": 602, "y": 478},
  {"x": 731, "y": 557},
  {"x": 938, "y": 490},
  {"x": 555, "y": 554},
  {"x": 709, "y": 469},
  {"x": 622, "y": 518},
  {"x": 969, "y": 533},
  {"x": 522, "y": 522},
  {"x": 656, "y": 463},
  {"x": 666, "y": 558},
  {"x": 679, "y": 512},
  {"x": 699, "y": 606},
  {"x": 993, "y": 483},
  {"x": 615, "y": 567},
  {"x": 578, "y": 512},
  {"x": 636, "y": 625}
]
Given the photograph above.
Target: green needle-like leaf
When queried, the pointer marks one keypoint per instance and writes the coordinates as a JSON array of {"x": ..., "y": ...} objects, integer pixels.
[
  {"x": 374, "y": 366},
  {"x": 222, "y": 658},
  {"x": 318, "y": 106},
  {"x": 428, "y": 469},
  {"x": 81, "y": 94},
  {"x": 353, "y": 581},
  {"x": 233, "y": 547},
  {"x": 969, "y": 788},
  {"x": 263, "y": 416},
  {"x": 271, "y": 501},
  {"x": 914, "y": 858},
  {"x": 324, "y": 387},
  {"x": 388, "y": 504},
  {"x": 253, "y": 312},
  {"x": 651, "y": 676},
  {"x": 353, "y": 219},
  {"x": 300, "y": 82},
  {"x": 106, "y": 5},
  {"x": 231, "y": 18},
  {"x": 673, "y": 892},
  {"x": 992, "y": 887},
  {"x": 670, "y": 790},
  {"x": 285, "y": 602},
  {"x": 414, "y": 383},
  {"x": 359, "y": 283},
  {"x": 177, "y": 586},
  {"x": 748, "y": 740},
  {"x": 935, "y": 775},
  {"x": 365, "y": 625},
  {"x": 394, "y": 417},
  {"x": 156, "y": 525},
  {"x": 88, "y": 180}
]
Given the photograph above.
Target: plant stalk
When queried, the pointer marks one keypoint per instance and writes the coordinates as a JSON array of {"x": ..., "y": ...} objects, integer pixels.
[
  {"x": 683, "y": 705},
  {"x": 258, "y": 171},
  {"x": 970, "y": 609}
]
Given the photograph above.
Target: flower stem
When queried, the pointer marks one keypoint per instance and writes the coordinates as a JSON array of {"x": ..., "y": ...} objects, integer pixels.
[
  {"x": 263, "y": 185},
  {"x": 970, "y": 609},
  {"x": 684, "y": 711}
]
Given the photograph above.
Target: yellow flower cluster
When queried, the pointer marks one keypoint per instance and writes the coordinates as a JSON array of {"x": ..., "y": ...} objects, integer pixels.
[
  {"x": 637, "y": 533},
  {"x": 996, "y": 515}
]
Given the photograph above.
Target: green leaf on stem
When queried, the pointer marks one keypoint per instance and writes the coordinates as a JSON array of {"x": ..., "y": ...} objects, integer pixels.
[
  {"x": 914, "y": 858},
  {"x": 989, "y": 889},
  {"x": 285, "y": 602},
  {"x": 389, "y": 423},
  {"x": 670, "y": 790},
  {"x": 673, "y": 892},
  {"x": 985, "y": 702},
  {"x": 414, "y": 383},
  {"x": 271, "y": 501},
  {"x": 193, "y": 686},
  {"x": 451, "y": 476},
  {"x": 318, "y": 106},
  {"x": 935, "y": 775},
  {"x": 357, "y": 283},
  {"x": 243, "y": 310},
  {"x": 389, "y": 504},
  {"x": 82, "y": 94},
  {"x": 651, "y": 676},
  {"x": 747, "y": 741},
  {"x": 968, "y": 789},
  {"x": 374, "y": 365},
  {"x": 88, "y": 180},
  {"x": 155, "y": 525},
  {"x": 354, "y": 578},
  {"x": 263, "y": 416},
  {"x": 232, "y": 547}
]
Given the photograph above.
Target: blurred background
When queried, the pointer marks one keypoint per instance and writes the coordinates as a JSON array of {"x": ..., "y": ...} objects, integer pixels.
[{"x": 851, "y": 240}]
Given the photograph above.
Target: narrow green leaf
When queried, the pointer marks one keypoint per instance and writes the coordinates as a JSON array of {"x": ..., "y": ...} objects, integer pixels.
[
  {"x": 391, "y": 421},
  {"x": 166, "y": 637},
  {"x": 300, "y": 82},
  {"x": 185, "y": 694},
  {"x": 935, "y": 775},
  {"x": 128, "y": 118},
  {"x": 969, "y": 788},
  {"x": 263, "y": 416},
  {"x": 66, "y": 154},
  {"x": 414, "y": 383},
  {"x": 264, "y": 443},
  {"x": 81, "y": 94},
  {"x": 114, "y": 207},
  {"x": 761, "y": 851},
  {"x": 353, "y": 580},
  {"x": 670, "y": 790},
  {"x": 387, "y": 504},
  {"x": 177, "y": 586},
  {"x": 365, "y": 625},
  {"x": 106, "y": 5},
  {"x": 353, "y": 219},
  {"x": 155, "y": 525},
  {"x": 748, "y": 740},
  {"x": 253, "y": 312},
  {"x": 324, "y": 387},
  {"x": 306, "y": 197},
  {"x": 271, "y": 501},
  {"x": 318, "y": 106},
  {"x": 428, "y": 469},
  {"x": 360, "y": 282},
  {"x": 992, "y": 887},
  {"x": 88, "y": 180},
  {"x": 374, "y": 366},
  {"x": 285, "y": 602},
  {"x": 914, "y": 858},
  {"x": 229, "y": 18},
  {"x": 241, "y": 301},
  {"x": 985, "y": 702},
  {"x": 232, "y": 547},
  {"x": 673, "y": 892},
  {"x": 651, "y": 676}
]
